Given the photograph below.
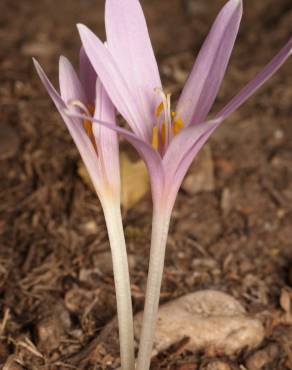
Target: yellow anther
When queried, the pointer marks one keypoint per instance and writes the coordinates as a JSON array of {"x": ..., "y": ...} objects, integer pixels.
[
  {"x": 163, "y": 133},
  {"x": 91, "y": 108},
  {"x": 88, "y": 127},
  {"x": 178, "y": 124},
  {"x": 155, "y": 138},
  {"x": 159, "y": 109},
  {"x": 87, "y": 124},
  {"x": 173, "y": 114}
]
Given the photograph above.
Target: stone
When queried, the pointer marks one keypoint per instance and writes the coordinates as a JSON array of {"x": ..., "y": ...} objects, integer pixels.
[{"x": 211, "y": 320}]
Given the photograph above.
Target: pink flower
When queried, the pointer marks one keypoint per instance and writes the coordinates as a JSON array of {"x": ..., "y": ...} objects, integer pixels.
[
  {"x": 99, "y": 150},
  {"x": 95, "y": 143},
  {"x": 167, "y": 139}
]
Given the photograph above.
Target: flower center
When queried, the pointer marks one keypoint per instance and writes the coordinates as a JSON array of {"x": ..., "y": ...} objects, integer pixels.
[
  {"x": 168, "y": 124},
  {"x": 88, "y": 109}
]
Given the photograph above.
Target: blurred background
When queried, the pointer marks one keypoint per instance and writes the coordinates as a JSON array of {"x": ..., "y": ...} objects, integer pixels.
[{"x": 232, "y": 223}]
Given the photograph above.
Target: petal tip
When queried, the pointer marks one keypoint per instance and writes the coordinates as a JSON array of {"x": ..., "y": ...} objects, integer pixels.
[
  {"x": 37, "y": 65},
  {"x": 63, "y": 59},
  {"x": 236, "y": 5},
  {"x": 35, "y": 62},
  {"x": 237, "y": 2},
  {"x": 63, "y": 62},
  {"x": 81, "y": 27}
]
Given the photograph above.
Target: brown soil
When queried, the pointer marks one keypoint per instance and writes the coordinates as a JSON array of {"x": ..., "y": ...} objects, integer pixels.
[{"x": 56, "y": 286}]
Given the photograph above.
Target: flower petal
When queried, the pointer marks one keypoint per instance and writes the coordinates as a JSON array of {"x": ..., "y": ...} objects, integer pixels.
[
  {"x": 185, "y": 146},
  {"x": 113, "y": 81},
  {"x": 151, "y": 158},
  {"x": 87, "y": 76},
  {"x": 205, "y": 79},
  {"x": 257, "y": 81},
  {"x": 129, "y": 43},
  {"x": 188, "y": 158},
  {"x": 180, "y": 168},
  {"x": 107, "y": 140},
  {"x": 76, "y": 130},
  {"x": 70, "y": 86},
  {"x": 183, "y": 143}
]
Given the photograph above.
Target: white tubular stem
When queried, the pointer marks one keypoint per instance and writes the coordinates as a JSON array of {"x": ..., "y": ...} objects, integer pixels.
[
  {"x": 112, "y": 213},
  {"x": 160, "y": 226}
]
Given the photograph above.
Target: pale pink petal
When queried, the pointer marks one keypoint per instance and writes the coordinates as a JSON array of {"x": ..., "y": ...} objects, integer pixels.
[
  {"x": 113, "y": 81},
  {"x": 129, "y": 43},
  {"x": 183, "y": 143},
  {"x": 205, "y": 79},
  {"x": 87, "y": 76},
  {"x": 151, "y": 158},
  {"x": 76, "y": 130},
  {"x": 258, "y": 81},
  {"x": 70, "y": 86},
  {"x": 185, "y": 146},
  {"x": 174, "y": 183},
  {"x": 107, "y": 140}
]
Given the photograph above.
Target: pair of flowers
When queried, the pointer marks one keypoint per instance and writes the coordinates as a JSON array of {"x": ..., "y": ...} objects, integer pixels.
[{"x": 123, "y": 75}]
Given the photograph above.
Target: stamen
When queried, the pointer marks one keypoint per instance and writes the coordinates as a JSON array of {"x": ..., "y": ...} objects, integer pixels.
[
  {"x": 91, "y": 108},
  {"x": 87, "y": 124},
  {"x": 159, "y": 109},
  {"x": 165, "y": 129},
  {"x": 178, "y": 124},
  {"x": 155, "y": 139},
  {"x": 163, "y": 133},
  {"x": 168, "y": 111}
]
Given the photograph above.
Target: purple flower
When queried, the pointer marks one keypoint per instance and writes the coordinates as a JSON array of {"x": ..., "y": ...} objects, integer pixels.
[
  {"x": 167, "y": 139},
  {"x": 95, "y": 143},
  {"x": 99, "y": 150}
]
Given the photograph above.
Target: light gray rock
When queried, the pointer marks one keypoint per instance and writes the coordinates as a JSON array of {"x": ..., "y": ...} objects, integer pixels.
[{"x": 212, "y": 321}]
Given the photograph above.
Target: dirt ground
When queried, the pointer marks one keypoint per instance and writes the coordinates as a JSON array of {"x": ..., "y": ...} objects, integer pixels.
[{"x": 56, "y": 285}]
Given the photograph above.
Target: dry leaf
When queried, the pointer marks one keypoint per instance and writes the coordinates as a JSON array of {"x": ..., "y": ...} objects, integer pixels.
[
  {"x": 134, "y": 180},
  {"x": 135, "y": 183}
]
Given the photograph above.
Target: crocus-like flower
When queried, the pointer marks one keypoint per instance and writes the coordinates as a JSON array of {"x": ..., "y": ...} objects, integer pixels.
[
  {"x": 99, "y": 150},
  {"x": 167, "y": 139}
]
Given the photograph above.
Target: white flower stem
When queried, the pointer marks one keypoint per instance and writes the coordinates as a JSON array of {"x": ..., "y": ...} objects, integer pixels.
[
  {"x": 112, "y": 213},
  {"x": 160, "y": 226}
]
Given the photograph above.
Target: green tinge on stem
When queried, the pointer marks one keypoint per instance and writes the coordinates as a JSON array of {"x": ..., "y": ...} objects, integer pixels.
[
  {"x": 160, "y": 226},
  {"x": 112, "y": 213}
]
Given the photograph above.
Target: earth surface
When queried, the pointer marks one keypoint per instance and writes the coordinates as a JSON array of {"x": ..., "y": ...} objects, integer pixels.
[{"x": 56, "y": 283}]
